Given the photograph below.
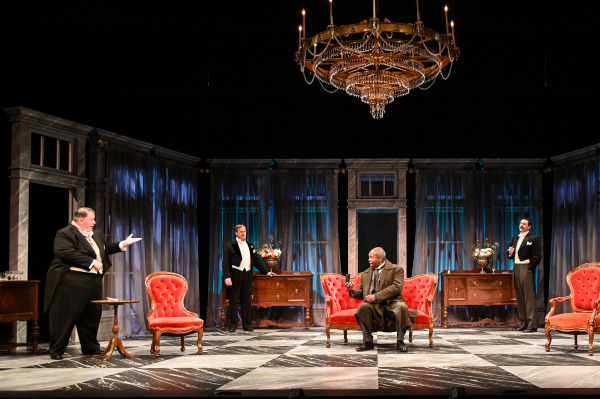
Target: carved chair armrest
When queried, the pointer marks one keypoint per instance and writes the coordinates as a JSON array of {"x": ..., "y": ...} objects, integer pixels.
[
  {"x": 595, "y": 312},
  {"x": 552, "y": 303},
  {"x": 430, "y": 306},
  {"x": 328, "y": 306}
]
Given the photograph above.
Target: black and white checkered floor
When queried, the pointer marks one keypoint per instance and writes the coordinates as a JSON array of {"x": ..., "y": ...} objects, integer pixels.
[{"x": 294, "y": 362}]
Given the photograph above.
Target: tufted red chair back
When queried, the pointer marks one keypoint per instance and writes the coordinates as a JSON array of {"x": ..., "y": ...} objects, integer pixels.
[
  {"x": 167, "y": 313},
  {"x": 167, "y": 291},
  {"x": 417, "y": 289},
  {"x": 584, "y": 282},
  {"x": 334, "y": 286}
]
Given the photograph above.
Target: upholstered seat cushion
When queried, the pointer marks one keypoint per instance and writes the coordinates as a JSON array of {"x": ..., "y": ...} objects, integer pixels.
[
  {"x": 344, "y": 316},
  {"x": 567, "y": 321},
  {"x": 175, "y": 322},
  {"x": 422, "y": 318}
]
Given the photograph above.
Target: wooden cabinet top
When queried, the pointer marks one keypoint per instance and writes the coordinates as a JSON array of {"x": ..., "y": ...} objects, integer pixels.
[{"x": 282, "y": 273}]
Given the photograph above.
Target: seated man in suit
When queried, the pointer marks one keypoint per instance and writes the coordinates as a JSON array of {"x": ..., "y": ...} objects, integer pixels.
[{"x": 384, "y": 308}]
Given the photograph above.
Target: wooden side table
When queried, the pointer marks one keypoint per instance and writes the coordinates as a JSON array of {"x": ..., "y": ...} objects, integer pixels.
[
  {"x": 115, "y": 341},
  {"x": 287, "y": 288},
  {"x": 19, "y": 302},
  {"x": 471, "y": 287}
]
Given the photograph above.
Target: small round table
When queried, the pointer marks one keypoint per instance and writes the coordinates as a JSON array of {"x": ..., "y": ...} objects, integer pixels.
[{"x": 115, "y": 341}]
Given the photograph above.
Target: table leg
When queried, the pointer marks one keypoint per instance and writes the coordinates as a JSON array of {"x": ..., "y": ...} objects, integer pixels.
[{"x": 115, "y": 341}]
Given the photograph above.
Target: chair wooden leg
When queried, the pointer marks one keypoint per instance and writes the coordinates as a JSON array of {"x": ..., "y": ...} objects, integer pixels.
[
  {"x": 591, "y": 347},
  {"x": 410, "y": 331},
  {"x": 327, "y": 332},
  {"x": 156, "y": 343},
  {"x": 200, "y": 334},
  {"x": 183, "y": 343},
  {"x": 431, "y": 336},
  {"x": 575, "y": 345},
  {"x": 345, "y": 336},
  {"x": 550, "y": 340},
  {"x": 153, "y": 346}
]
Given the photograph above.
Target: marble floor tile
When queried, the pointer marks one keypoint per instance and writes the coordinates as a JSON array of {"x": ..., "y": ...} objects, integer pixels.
[
  {"x": 265, "y": 343},
  {"x": 307, "y": 378},
  {"x": 482, "y": 349},
  {"x": 303, "y": 360},
  {"x": 158, "y": 382},
  {"x": 431, "y": 360},
  {"x": 206, "y": 361},
  {"x": 558, "y": 376},
  {"x": 485, "y": 361},
  {"x": 492, "y": 378},
  {"x": 45, "y": 379},
  {"x": 548, "y": 359}
]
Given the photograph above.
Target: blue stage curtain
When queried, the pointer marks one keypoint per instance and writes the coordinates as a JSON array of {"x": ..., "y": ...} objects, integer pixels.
[
  {"x": 575, "y": 223},
  {"x": 457, "y": 207},
  {"x": 299, "y": 207},
  {"x": 156, "y": 200}
]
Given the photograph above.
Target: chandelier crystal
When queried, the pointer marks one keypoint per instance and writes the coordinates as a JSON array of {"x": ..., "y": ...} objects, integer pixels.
[{"x": 376, "y": 61}]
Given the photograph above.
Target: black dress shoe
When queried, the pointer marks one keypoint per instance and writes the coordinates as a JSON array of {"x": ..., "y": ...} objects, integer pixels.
[
  {"x": 231, "y": 330},
  {"x": 366, "y": 346},
  {"x": 401, "y": 346},
  {"x": 249, "y": 329},
  {"x": 56, "y": 356},
  {"x": 519, "y": 328},
  {"x": 528, "y": 330}
]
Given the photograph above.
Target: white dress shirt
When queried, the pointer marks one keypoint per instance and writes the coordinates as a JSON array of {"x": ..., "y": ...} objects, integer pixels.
[
  {"x": 245, "y": 264},
  {"x": 521, "y": 237}
]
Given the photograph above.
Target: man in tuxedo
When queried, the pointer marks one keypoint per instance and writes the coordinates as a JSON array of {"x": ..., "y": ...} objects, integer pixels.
[
  {"x": 74, "y": 279},
  {"x": 526, "y": 251},
  {"x": 384, "y": 308},
  {"x": 239, "y": 257}
]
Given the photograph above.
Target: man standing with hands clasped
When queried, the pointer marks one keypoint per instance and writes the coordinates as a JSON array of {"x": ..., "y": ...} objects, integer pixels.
[
  {"x": 239, "y": 258},
  {"x": 526, "y": 251}
]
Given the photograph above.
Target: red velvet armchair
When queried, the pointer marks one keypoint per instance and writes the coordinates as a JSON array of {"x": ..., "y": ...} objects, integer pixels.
[
  {"x": 340, "y": 307},
  {"x": 167, "y": 313},
  {"x": 418, "y": 293},
  {"x": 584, "y": 284}
]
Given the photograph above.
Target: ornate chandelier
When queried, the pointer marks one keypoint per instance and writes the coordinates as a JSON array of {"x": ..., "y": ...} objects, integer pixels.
[{"x": 376, "y": 61}]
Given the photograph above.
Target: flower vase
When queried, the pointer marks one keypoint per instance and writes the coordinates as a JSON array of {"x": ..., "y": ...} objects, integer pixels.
[
  {"x": 271, "y": 262},
  {"x": 483, "y": 261}
]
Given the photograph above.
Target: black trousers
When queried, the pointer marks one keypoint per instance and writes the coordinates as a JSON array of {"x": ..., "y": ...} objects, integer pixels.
[
  {"x": 240, "y": 292},
  {"x": 525, "y": 293},
  {"x": 72, "y": 307}
]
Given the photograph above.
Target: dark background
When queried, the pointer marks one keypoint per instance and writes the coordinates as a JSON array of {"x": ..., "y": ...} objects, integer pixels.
[
  {"x": 194, "y": 76},
  {"x": 217, "y": 79}
]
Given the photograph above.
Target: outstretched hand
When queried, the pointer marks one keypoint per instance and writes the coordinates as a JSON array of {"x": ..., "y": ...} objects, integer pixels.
[{"x": 130, "y": 240}]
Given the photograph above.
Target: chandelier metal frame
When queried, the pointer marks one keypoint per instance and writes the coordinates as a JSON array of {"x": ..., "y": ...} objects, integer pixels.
[{"x": 376, "y": 61}]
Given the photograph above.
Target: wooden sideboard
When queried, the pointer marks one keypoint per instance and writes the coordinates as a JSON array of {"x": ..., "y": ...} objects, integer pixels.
[
  {"x": 285, "y": 289},
  {"x": 471, "y": 287},
  {"x": 19, "y": 302}
]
